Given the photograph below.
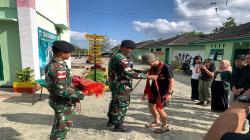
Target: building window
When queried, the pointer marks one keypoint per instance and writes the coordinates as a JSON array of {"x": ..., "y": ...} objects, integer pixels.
[
  {"x": 212, "y": 45},
  {"x": 216, "y": 54},
  {"x": 152, "y": 50},
  {"x": 1, "y": 67},
  {"x": 223, "y": 45},
  {"x": 158, "y": 49}
]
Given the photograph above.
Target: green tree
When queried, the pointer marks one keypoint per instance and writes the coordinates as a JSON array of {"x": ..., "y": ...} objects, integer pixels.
[
  {"x": 106, "y": 44},
  {"x": 230, "y": 23},
  {"x": 194, "y": 33}
]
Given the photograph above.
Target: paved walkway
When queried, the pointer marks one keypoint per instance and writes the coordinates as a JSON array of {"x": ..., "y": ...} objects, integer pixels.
[{"x": 21, "y": 120}]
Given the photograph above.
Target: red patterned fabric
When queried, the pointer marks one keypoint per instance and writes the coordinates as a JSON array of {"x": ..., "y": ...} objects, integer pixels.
[
  {"x": 147, "y": 91},
  {"x": 88, "y": 87}
]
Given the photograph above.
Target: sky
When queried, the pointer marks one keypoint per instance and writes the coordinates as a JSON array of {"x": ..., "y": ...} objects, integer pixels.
[{"x": 141, "y": 20}]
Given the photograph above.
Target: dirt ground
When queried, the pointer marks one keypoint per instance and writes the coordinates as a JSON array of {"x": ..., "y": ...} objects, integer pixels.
[{"x": 20, "y": 120}]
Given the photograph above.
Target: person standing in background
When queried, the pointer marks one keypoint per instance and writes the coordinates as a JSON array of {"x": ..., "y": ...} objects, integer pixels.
[
  {"x": 236, "y": 75},
  {"x": 221, "y": 85},
  {"x": 195, "y": 77},
  {"x": 206, "y": 76},
  {"x": 239, "y": 63}
]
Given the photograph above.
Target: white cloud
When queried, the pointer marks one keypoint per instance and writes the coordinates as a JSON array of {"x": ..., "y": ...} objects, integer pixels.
[
  {"x": 202, "y": 14},
  {"x": 114, "y": 42},
  {"x": 162, "y": 27},
  {"x": 196, "y": 15},
  {"x": 77, "y": 35}
]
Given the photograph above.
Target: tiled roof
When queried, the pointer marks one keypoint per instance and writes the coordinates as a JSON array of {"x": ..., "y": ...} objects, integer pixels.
[
  {"x": 233, "y": 33},
  {"x": 145, "y": 43},
  {"x": 177, "y": 40}
]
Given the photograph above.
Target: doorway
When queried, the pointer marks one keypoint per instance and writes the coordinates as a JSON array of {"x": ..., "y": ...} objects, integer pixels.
[{"x": 167, "y": 55}]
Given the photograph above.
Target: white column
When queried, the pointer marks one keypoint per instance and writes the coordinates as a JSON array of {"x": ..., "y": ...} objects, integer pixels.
[{"x": 28, "y": 33}]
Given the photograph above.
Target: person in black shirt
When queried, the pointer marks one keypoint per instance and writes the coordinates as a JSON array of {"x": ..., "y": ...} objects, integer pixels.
[
  {"x": 243, "y": 83},
  {"x": 206, "y": 76},
  {"x": 244, "y": 78},
  {"x": 239, "y": 64},
  {"x": 159, "y": 91}
]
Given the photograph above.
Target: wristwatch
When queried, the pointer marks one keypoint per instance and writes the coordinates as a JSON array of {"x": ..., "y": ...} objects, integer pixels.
[{"x": 244, "y": 98}]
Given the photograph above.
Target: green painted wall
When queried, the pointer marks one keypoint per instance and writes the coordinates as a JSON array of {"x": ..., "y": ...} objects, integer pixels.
[
  {"x": 229, "y": 47},
  {"x": 8, "y": 9},
  {"x": 140, "y": 52},
  {"x": 10, "y": 48},
  {"x": 8, "y": 3},
  {"x": 187, "y": 48},
  {"x": 173, "y": 48},
  {"x": 160, "y": 56}
]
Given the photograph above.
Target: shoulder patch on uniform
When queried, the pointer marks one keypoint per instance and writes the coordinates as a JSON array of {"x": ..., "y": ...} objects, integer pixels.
[{"x": 61, "y": 74}]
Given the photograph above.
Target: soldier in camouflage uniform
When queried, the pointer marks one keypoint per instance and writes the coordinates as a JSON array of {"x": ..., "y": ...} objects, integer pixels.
[
  {"x": 120, "y": 76},
  {"x": 63, "y": 97}
]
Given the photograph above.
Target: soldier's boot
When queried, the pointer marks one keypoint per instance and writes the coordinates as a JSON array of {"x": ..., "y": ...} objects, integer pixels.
[
  {"x": 110, "y": 124},
  {"x": 120, "y": 128}
]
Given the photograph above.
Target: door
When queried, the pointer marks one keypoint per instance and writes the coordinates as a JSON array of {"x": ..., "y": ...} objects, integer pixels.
[
  {"x": 238, "y": 52},
  {"x": 167, "y": 55}
]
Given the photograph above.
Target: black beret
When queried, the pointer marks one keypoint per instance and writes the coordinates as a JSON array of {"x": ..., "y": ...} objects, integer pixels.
[
  {"x": 129, "y": 44},
  {"x": 63, "y": 46}
]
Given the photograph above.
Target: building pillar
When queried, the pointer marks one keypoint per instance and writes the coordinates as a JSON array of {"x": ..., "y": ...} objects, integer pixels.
[{"x": 28, "y": 33}]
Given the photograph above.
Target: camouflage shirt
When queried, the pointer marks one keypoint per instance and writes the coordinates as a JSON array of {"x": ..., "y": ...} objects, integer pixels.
[
  {"x": 59, "y": 82},
  {"x": 120, "y": 73}
]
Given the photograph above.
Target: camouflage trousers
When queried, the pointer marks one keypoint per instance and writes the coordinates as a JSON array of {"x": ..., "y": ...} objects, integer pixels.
[
  {"x": 63, "y": 120},
  {"x": 118, "y": 107}
]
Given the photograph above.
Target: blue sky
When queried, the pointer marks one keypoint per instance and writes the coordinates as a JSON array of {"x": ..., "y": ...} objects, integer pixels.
[{"x": 151, "y": 19}]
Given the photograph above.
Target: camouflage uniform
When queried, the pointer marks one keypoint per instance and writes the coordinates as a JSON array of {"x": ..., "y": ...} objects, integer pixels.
[
  {"x": 62, "y": 97},
  {"x": 120, "y": 76}
]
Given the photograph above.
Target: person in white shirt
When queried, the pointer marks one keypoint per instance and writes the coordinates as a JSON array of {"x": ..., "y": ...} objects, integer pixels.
[{"x": 195, "y": 77}]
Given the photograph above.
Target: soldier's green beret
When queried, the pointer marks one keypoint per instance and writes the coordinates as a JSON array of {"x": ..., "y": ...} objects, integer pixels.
[{"x": 63, "y": 46}]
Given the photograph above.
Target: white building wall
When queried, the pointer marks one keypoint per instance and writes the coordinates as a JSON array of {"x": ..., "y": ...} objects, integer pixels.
[
  {"x": 56, "y": 13},
  {"x": 54, "y": 10},
  {"x": 44, "y": 14},
  {"x": 28, "y": 38},
  {"x": 45, "y": 24}
]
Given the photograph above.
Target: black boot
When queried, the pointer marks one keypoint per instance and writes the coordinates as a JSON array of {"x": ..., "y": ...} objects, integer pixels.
[
  {"x": 110, "y": 124},
  {"x": 120, "y": 128}
]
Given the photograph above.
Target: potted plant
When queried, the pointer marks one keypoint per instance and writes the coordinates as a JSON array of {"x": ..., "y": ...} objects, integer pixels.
[{"x": 25, "y": 81}]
